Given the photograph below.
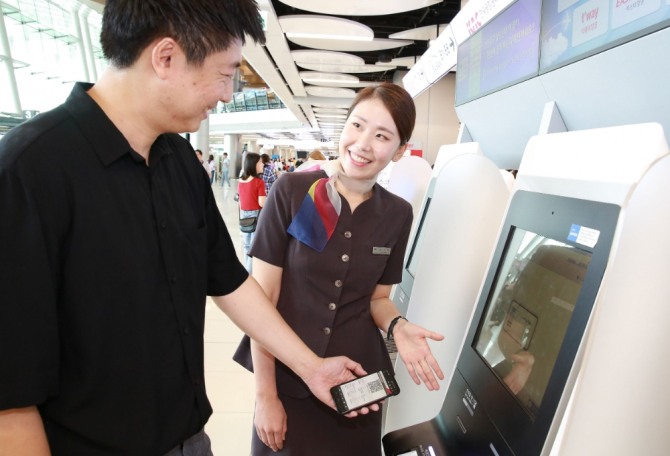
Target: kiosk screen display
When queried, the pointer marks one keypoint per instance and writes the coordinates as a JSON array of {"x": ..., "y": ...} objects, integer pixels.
[
  {"x": 575, "y": 29},
  {"x": 527, "y": 328},
  {"x": 502, "y": 53},
  {"x": 527, "y": 316},
  {"x": 413, "y": 258}
]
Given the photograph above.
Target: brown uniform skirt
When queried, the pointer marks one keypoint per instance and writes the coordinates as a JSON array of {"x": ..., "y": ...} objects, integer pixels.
[{"x": 315, "y": 429}]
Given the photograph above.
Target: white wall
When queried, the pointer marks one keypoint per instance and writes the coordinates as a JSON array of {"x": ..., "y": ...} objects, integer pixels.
[{"x": 436, "y": 120}]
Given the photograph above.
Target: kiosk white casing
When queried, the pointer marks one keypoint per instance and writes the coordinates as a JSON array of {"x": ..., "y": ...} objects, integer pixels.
[
  {"x": 618, "y": 405},
  {"x": 400, "y": 293},
  {"x": 614, "y": 400},
  {"x": 409, "y": 179},
  {"x": 468, "y": 199}
]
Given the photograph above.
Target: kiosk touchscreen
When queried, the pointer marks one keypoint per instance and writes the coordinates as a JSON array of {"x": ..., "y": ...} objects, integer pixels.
[
  {"x": 412, "y": 258},
  {"x": 525, "y": 333},
  {"x": 402, "y": 292}
]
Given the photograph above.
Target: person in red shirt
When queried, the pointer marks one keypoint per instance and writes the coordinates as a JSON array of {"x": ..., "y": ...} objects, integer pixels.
[{"x": 251, "y": 189}]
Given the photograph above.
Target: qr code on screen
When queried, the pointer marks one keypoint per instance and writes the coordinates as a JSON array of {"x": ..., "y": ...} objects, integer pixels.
[{"x": 375, "y": 386}]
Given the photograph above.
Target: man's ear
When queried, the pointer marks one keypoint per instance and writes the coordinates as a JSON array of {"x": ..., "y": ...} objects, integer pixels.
[
  {"x": 399, "y": 153},
  {"x": 163, "y": 53}
]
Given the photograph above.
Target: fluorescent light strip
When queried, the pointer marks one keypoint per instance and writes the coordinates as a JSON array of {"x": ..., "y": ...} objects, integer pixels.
[
  {"x": 322, "y": 36},
  {"x": 330, "y": 116},
  {"x": 330, "y": 81}
]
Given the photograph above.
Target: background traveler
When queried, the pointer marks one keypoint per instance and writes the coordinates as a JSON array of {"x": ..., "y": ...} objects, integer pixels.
[
  {"x": 251, "y": 189},
  {"x": 225, "y": 169},
  {"x": 269, "y": 174}
]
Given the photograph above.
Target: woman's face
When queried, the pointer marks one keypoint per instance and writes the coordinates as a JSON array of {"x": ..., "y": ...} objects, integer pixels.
[
  {"x": 369, "y": 141},
  {"x": 259, "y": 166}
]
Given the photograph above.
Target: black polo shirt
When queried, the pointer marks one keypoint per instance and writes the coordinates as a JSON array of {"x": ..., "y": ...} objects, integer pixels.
[{"x": 105, "y": 264}]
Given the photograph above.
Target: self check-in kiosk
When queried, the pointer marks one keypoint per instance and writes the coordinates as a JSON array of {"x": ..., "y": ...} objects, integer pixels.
[
  {"x": 448, "y": 256},
  {"x": 400, "y": 294},
  {"x": 572, "y": 286},
  {"x": 409, "y": 178}
]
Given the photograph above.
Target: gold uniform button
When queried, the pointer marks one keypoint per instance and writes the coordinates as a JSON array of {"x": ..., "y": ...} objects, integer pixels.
[
  {"x": 347, "y": 234},
  {"x": 345, "y": 258},
  {"x": 338, "y": 283},
  {"x": 332, "y": 306}
]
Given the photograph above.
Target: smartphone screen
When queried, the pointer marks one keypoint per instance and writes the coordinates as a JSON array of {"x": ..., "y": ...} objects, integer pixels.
[{"x": 365, "y": 390}]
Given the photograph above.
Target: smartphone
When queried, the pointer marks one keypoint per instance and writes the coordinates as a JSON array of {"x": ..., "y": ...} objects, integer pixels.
[{"x": 364, "y": 391}]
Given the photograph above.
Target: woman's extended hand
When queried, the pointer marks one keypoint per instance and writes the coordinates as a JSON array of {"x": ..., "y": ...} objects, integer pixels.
[
  {"x": 270, "y": 422},
  {"x": 414, "y": 351}
]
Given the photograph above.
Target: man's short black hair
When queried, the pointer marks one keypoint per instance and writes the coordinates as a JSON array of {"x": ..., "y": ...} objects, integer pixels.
[{"x": 201, "y": 27}]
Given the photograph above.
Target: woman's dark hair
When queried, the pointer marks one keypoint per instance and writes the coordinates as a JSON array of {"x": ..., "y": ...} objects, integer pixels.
[
  {"x": 201, "y": 27},
  {"x": 249, "y": 167},
  {"x": 265, "y": 158},
  {"x": 398, "y": 102}
]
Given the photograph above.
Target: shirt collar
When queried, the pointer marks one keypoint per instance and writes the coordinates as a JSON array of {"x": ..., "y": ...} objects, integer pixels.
[{"x": 107, "y": 141}]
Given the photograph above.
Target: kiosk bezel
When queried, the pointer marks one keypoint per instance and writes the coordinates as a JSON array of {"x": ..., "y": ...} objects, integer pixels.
[
  {"x": 480, "y": 415},
  {"x": 553, "y": 217}
]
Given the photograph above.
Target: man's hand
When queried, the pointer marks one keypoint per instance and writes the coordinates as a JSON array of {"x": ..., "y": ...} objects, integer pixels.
[{"x": 335, "y": 371}]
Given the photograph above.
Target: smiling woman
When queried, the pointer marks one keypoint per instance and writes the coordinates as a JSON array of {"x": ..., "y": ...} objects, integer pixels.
[
  {"x": 329, "y": 245},
  {"x": 377, "y": 130}
]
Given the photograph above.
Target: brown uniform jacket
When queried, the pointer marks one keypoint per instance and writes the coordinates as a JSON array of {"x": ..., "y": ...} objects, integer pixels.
[{"x": 325, "y": 297}]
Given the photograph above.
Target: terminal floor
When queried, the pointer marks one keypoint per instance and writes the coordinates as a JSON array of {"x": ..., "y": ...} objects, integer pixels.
[{"x": 230, "y": 387}]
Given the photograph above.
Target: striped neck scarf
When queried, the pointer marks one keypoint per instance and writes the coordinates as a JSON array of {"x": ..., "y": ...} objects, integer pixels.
[{"x": 315, "y": 221}]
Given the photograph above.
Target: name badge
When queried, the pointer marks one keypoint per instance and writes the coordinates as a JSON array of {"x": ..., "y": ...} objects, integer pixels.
[{"x": 381, "y": 250}]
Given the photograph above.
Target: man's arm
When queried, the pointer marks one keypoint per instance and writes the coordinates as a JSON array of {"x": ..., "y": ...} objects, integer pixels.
[
  {"x": 22, "y": 433},
  {"x": 250, "y": 309}
]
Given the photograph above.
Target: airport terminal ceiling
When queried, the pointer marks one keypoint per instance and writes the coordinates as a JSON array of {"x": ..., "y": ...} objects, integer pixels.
[
  {"x": 414, "y": 28},
  {"x": 419, "y": 25},
  {"x": 369, "y": 44},
  {"x": 319, "y": 54}
]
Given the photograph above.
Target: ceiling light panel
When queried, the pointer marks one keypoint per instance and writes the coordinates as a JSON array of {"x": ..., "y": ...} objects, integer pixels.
[
  {"x": 340, "y": 68},
  {"x": 330, "y": 111},
  {"x": 359, "y": 8},
  {"x": 315, "y": 77},
  {"x": 377, "y": 44},
  {"x": 330, "y": 57},
  {"x": 330, "y": 92},
  {"x": 335, "y": 126},
  {"x": 324, "y": 27},
  {"x": 427, "y": 33},
  {"x": 331, "y": 79},
  {"x": 408, "y": 62},
  {"x": 330, "y": 105},
  {"x": 330, "y": 116}
]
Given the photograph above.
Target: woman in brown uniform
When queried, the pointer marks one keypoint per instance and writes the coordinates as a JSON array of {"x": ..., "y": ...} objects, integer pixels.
[{"x": 329, "y": 246}]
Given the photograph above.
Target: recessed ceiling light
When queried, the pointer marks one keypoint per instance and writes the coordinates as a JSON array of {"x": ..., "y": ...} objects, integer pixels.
[{"x": 330, "y": 92}]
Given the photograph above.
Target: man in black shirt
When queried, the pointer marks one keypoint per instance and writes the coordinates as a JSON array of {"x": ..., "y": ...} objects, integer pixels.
[{"x": 111, "y": 240}]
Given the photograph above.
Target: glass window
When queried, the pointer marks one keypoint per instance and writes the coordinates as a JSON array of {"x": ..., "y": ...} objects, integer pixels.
[{"x": 46, "y": 50}]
